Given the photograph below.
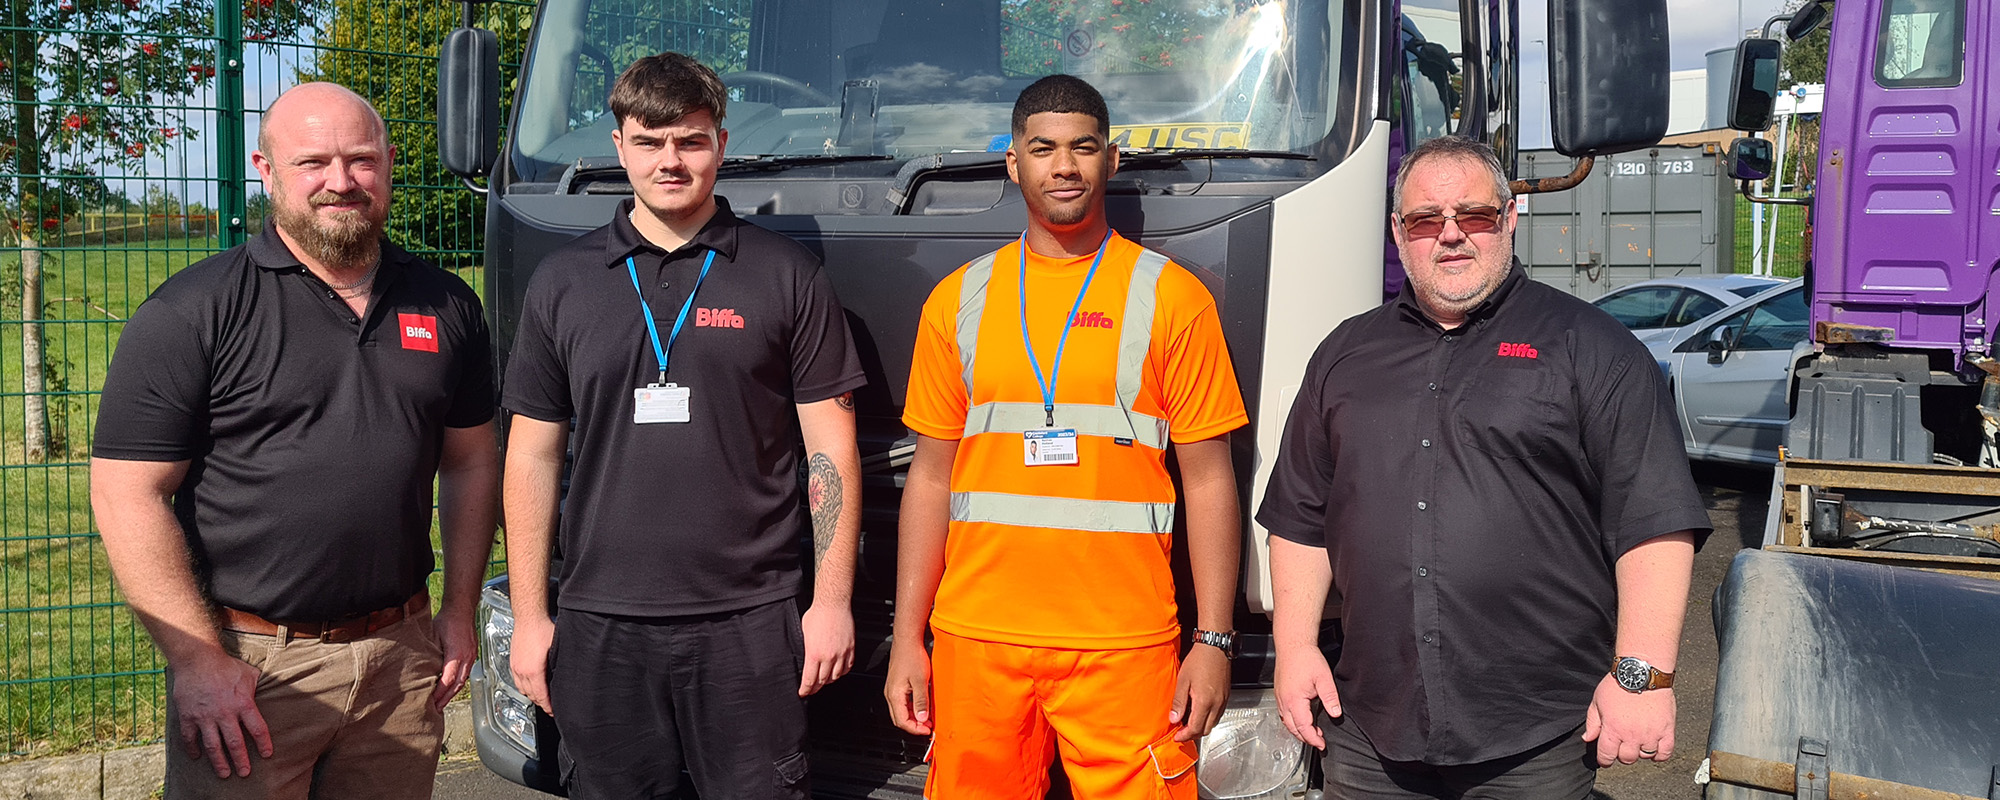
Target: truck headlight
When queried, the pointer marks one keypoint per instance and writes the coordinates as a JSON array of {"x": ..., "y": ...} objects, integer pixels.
[
  {"x": 1249, "y": 754},
  {"x": 496, "y": 633},
  {"x": 508, "y": 711}
]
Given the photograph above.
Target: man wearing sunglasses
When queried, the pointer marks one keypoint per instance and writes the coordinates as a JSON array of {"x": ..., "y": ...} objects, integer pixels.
[{"x": 1486, "y": 473}]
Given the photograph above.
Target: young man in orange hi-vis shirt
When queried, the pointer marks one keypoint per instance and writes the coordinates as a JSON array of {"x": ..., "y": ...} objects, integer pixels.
[{"x": 1050, "y": 378}]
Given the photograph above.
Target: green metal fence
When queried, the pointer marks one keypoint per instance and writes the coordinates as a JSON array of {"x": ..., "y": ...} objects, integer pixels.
[{"x": 124, "y": 138}]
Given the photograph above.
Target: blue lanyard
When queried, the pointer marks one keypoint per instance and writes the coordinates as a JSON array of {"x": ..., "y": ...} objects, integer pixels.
[
  {"x": 1049, "y": 384},
  {"x": 660, "y": 353}
]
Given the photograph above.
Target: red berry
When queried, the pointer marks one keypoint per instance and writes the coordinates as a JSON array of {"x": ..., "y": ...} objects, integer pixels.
[
  {"x": 51, "y": 224},
  {"x": 150, "y": 48},
  {"x": 73, "y": 122},
  {"x": 169, "y": 132},
  {"x": 135, "y": 149}
]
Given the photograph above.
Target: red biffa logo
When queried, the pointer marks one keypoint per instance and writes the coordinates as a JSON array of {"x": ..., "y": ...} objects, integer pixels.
[
  {"x": 1523, "y": 350},
  {"x": 420, "y": 332},
  {"x": 717, "y": 318},
  {"x": 1090, "y": 319}
]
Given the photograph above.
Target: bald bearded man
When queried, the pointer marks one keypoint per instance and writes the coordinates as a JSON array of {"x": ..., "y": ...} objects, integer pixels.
[{"x": 262, "y": 470}]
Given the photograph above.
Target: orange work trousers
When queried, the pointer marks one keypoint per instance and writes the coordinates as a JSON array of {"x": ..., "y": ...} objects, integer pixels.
[{"x": 1004, "y": 711}]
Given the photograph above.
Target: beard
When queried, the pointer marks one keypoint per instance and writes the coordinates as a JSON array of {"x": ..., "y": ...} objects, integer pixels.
[
  {"x": 1068, "y": 215},
  {"x": 341, "y": 239},
  {"x": 1459, "y": 293}
]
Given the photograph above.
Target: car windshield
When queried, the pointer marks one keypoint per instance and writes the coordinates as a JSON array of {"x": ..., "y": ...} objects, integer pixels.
[{"x": 904, "y": 78}]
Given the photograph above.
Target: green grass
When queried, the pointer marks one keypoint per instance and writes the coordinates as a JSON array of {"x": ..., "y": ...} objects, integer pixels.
[
  {"x": 1789, "y": 257},
  {"x": 76, "y": 669}
]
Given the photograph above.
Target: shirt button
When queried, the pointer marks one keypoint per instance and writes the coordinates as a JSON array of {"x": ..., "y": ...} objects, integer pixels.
[
  {"x": 329, "y": 295},
  {"x": 1423, "y": 572},
  {"x": 1434, "y": 387},
  {"x": 1427, "y": 442},
  {"x": 1427, "y": 638},
  {"x": 1421, "y": 505}
]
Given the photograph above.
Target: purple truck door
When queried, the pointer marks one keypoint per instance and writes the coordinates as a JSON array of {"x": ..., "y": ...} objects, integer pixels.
[{"x": 1905, "y": 219}]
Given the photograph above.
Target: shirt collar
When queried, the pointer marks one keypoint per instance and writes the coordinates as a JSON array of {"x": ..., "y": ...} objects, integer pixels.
[
  {"x": 1406, "y": 300},
  {"x": 719, "y": 234},
  {"x": 269, "y": 251}
]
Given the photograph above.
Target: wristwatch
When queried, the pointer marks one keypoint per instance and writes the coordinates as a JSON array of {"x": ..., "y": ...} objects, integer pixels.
[
  {"x": 1226, "y": 642},
  {"x": 1635, "y": 675}
]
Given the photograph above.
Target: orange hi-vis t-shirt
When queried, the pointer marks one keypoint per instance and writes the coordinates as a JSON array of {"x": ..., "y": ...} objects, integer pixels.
[{"x": 1071, "y": 555}]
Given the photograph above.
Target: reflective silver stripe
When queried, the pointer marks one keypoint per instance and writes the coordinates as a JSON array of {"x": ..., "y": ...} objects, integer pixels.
[
  {"x": 1137, "y": 336},
  {"x": 1062, "y": 513},
  {"x": 1110, "y": 421},
  {"x": 972, "y": 306}
]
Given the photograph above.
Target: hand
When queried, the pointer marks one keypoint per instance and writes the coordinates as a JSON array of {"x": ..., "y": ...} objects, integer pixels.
[
  {"x": 1628, "y": 727},
  {"x": 829, "y": 633},
  {"x": 457, "y": 637},
  {"x": 1200, "y": 692},
  {"x": 1302, "y": 674},
  {"x": 908, "y": 689},
  {"x": 528, "y": 659},
  {"x": 216, "y": 701}
]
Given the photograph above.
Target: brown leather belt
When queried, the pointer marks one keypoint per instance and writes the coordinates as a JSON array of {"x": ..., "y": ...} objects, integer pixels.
[{"x": 334, "y": 632}]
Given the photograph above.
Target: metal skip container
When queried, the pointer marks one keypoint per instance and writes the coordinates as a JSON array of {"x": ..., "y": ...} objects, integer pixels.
[{"x": 1653, "y": 213}]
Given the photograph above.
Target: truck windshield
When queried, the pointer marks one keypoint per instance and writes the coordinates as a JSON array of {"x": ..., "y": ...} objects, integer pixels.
[{"x": 906, "y": 78}]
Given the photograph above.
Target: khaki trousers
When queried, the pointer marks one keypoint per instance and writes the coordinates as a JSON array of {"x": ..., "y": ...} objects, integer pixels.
[{"x": 347, "y": 720}]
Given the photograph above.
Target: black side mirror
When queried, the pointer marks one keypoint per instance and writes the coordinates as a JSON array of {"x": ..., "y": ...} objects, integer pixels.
[
  {"x": 468, "y": 104},
  {"x": 1607, "y": 74},
  {"x": 1750, "y": 159},
  {"x": 1755, "y": 88},
  {"x": 1721, "y": 340},
  {"x": 1806, "y": 21}
]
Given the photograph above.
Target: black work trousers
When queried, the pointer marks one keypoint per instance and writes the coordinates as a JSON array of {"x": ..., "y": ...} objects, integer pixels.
[
  {"x": 1563, "y": 769},
  {"x": 640, "y": 699}
]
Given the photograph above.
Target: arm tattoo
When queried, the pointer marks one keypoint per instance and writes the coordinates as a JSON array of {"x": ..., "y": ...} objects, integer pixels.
[
  {"x": 845, "y": 401},
  {"x": 823, "y": 496}
]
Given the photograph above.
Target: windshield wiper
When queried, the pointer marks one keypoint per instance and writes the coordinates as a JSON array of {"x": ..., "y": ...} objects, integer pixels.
[
  {"x": 776, "y": 163},
  {"x": 1187, "y": 153}
]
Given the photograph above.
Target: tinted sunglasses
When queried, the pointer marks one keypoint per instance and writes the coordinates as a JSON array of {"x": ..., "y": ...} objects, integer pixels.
[{"x": 1477, "y": 219}]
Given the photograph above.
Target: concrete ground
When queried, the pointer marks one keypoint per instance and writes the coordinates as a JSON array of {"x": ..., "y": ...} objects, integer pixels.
[{"x": 1736, "y": 501}]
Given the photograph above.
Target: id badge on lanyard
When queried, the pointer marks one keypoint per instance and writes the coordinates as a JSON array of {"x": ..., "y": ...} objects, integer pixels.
[
  {"x": 661, "y": 401},
  {"x": 1048, "y": 446},
  {"x": 1051, "y": 446}
]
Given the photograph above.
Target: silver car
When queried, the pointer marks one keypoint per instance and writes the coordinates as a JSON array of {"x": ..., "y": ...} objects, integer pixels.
[
  {"x": 1730, "y": 372},
  {"x": 1655, "y": 310}
]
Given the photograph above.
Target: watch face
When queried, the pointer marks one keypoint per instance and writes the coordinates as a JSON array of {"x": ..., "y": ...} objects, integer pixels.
[{"x": 1632, "y": 674}]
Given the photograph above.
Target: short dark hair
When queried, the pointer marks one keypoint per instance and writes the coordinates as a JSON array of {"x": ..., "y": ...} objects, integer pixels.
[
  {"x": 1060, "y": 94},
  {"x": 659, "y": 90},
  {"x": 1457, "y": 148}
]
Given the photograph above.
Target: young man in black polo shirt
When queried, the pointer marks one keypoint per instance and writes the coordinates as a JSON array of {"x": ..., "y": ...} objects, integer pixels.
[
  {"x": 693, "y": 351},
  {"x": 262, "y": 478},
  {"x": 1488, "y": 471}
]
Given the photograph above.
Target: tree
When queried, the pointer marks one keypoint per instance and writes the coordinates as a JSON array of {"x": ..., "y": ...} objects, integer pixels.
[
  {"x": 1804, "y": 61},
  {"x": 385, "y": 50},
  {"x": 1043, "y": 36},
  {"x": 90, "y": 85}
]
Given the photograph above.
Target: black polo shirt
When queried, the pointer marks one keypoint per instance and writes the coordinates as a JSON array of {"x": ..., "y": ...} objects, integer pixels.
[
  {"x": 1473, "y": 489},
  {"x": 313, "y": 435},
  {"x": 671, "y": 519}
]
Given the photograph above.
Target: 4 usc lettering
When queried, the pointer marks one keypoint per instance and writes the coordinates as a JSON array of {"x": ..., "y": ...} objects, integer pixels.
[
  {"x": 1521, "y": 350},
  {"x": 717, "y": 318}
]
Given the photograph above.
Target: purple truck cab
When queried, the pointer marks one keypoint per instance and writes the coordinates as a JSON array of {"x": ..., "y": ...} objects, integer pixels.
[
  {"x": 1905, "y": 251},
  {"x": 1907, "y": 208}
]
